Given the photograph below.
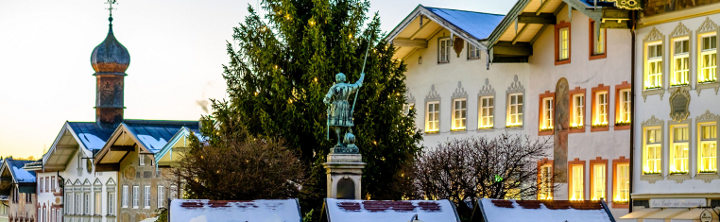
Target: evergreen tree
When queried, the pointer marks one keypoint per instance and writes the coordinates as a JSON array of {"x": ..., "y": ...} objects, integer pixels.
[{"x": 283, "y": 62}]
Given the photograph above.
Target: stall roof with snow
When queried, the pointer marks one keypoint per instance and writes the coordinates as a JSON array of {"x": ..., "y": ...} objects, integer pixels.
[
  {"x": 341, "y": 210},
  {"x": 493, "y": 210},
  {"x": 287, "y": 210}
]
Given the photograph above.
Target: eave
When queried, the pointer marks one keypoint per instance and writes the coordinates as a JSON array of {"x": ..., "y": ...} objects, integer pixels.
[{"x": 121, "y": 143}]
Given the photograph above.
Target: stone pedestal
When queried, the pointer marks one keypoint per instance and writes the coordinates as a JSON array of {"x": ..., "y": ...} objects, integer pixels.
[{"x": 344, "y": 174}]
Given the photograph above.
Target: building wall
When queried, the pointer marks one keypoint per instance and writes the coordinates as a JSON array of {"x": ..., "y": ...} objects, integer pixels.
[
  {"x": 80, "y": 181},
  {"x": 132, "y": 173},
  {"x": 589, "y": 143},
  {"x": 4, "y": 205},
  {"x": 49, "y": 197},
  {"x": 653, "y": 108},
  {"x": 467, "y": 77},
  {"x": 22, "y": 207}
]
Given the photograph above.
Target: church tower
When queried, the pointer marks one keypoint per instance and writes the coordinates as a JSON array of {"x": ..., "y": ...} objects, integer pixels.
[{"x": 110, "y": 59}]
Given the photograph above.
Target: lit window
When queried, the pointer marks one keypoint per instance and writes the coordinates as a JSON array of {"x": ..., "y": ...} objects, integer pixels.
[
  {"x": 444, "y": 45},
  {"x": 135, "y": 196},
  {"x": 125, "y": 197},
  {"x": 624, "y": 107},
  {"x": 577, "y": 182},
  {"x": 432, "y": 117},
  {"x": 598, "y": 46},
  {"x": 564, "y": 43},
  {"x": 679, "y": 148},
  {"x": 578, "y": 111},
  {"x": 600, "y": 117},
  {"x": 545, "y": 186},
  {"x": 652, "y": 150},
  {"x": 680, "y": 73},
  {"x": 161, "y": 196},
  {"x": 547, "y": 114},
  {"x": 459, "y": 114},
  {"x": 622, "y": 183},
  {"x": 146, "y": 197},
  {"x": 708, "y": 148},
  {"x": 473, "y": 52},
  {"x": 487, "y": 109},
  {"x": 653, "y": 65},
  {"x": 408, "y": 107},
  {"x": 515, "y": 110},
  {"x": 707, "y": 59},
  {"x": 598, "y": 181}
]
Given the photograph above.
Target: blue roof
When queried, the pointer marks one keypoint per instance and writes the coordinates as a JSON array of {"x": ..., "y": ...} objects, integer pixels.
[
  {"x": 92, "y": 136},
  {"x": 477, "y": 24},
  {"x": 602, "y": 3},
  {"x": 19, "y": 174},
  {"x": 155, "y": 134}
]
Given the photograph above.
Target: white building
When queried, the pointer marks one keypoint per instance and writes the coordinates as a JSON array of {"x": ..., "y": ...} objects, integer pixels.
[{"x": 675, "y": 172}]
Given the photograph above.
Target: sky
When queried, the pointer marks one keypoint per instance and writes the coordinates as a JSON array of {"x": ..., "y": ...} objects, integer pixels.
[{"x": 177, "y": 48}]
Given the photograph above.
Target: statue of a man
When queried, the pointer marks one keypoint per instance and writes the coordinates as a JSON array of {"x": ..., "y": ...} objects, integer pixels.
[{"x": 340, "y": 111}]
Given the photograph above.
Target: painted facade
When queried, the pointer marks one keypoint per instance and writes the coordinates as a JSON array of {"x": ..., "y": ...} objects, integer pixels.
[
  {"x": 675, "y": 158},
  {"x": 19, "y": 186}
]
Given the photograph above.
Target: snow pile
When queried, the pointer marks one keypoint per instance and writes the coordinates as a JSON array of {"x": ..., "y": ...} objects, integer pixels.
[
  {"x": 538, "y": 211},
  {"x": 383, "y": 210}
]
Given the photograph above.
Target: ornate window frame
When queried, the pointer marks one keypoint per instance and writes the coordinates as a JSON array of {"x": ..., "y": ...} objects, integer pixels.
[
  {"x": 458, "y": 94},
  {"x": 680, "y": 33},
  {"x": 486, "y": 90},
  {"x": 679, "y": 177},
  {"x": 515, "y": 88},
  {"x": 707, "y": 117},
  {"x": 708, "y": 26},
  {"x": 653, "y": 122},
  {"x": 547, "y": 95},
  {"x": 432, "y": 97},
  {"x": 652, "y": 38}
]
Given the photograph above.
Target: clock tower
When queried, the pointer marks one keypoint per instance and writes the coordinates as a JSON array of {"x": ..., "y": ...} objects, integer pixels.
[{"x": 109, "y": 59}]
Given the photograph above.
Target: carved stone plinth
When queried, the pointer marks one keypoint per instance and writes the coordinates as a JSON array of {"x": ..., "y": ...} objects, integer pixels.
[{"x": 344, "y": 174}]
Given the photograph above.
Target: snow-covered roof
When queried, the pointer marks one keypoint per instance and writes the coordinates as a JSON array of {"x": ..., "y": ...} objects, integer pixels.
[
  {"x": 92, "y": 136},
  {"x": 19, "y": 175},
  {"x": 477, "y": 24},
  {"x": 493, "y": 210},
  {"x": 155, "y": 134},
  {"x": 246, "y": 211},
  {"x": 181, "y": 134},
  {"x": 340, "y": 210}
]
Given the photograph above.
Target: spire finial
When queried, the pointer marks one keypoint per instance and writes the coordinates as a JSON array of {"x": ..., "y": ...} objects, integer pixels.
[{"x": 110, "y": 4}]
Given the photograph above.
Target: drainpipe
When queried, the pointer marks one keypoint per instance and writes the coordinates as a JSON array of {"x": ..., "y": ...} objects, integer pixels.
[{"x": 633, "y": 19}]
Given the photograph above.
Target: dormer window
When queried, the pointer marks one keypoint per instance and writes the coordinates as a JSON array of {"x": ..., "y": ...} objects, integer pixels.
[
  {"x": 473, "y": 52},
  {"x": 444, "y": 46}
]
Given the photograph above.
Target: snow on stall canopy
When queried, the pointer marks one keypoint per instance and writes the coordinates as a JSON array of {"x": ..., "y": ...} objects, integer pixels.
[
  {"x": 242, "y": 211},
  {"x": 493, "y": 210},
  {"x": 155, "y": 134},
  {"x": 92, "y": 136},
  {"x": 341, "y": 210},
  {"x": 477, "y": 24}
]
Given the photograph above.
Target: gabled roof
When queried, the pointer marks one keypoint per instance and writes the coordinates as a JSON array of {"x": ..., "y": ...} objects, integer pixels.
[
  {"x": 92, "y": 136},
  {"x": 150, "y": 136},
  {"x": 74, "y": 137},
  {"x": 181, "y": 134},
  {"x": 340, "y": 210},
  {"x": 249, "y": 211},
  {"x": 494, "y": 210},
  {"x": 17, "y": 173},
  {"x": 424, "y": 22}
]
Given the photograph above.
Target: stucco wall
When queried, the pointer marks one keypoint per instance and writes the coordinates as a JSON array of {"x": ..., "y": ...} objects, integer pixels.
[{"x": 75, "y": 175}]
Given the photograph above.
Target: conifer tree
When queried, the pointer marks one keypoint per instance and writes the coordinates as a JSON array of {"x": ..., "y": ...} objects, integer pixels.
[{"x": 283, "y": 62}]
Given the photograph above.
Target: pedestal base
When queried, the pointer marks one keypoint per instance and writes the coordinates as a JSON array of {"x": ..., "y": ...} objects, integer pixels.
[{"x": 344, "y": 174}]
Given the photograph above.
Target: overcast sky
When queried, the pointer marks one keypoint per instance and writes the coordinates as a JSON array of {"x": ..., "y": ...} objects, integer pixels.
[{"x": 177, "y": 49}]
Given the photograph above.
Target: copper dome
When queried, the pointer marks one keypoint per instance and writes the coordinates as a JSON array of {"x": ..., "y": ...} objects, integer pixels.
[{"x": 110, "y": 56}]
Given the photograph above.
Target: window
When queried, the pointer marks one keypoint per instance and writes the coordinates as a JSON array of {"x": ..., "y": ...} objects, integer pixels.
[
  {"x": 515, "y": 110},
  {"x": 621, "y": 182},
  {"x": 173, "y": 192},
  {"x": 576, "y": 182},
  {"x": 135, "y": 196},
  {"x": 160, "y": 196},
  {"x": 459, "y": 114},
  {"x": 473, "y": 52},
  {"x": 98, "y": 202},
  {"x": 624, "y": 107},
  {"x": 546, "y": 117},
  {"x": 487, "y": 109},
  {"x": 141, "y": 160},
  {"x": 125, "y": 196},
  {"x": 652, "y": 150},
  {"x": 597, "y": 46},
  {"x": 600, "y": 109},
  {"x": 146, "y": 197},
  {"x": 111, "y": 203},
  {"x": 86, "y": 203},
  {"x": 41, "y": 185},
  {"x": 679, "y": 149},
  {"x": 432, "y": 117},
  {"x": 597, "y": 180},
  {"x": 407, "y": 107},
  {"x": 653, "y": 65},
  {"x": 79, "y": 210},
  {"x": 707, "y": 148},
  {"x": 680, "y": 73},
  {"x": 444, "y": 45},
  {"x": 545, "y": 186},
  {"x": 52, "y": 186},
  {"x": 68, "y": 202},
  {"x": 577, "y": 119},
  {"x": 707, "y": 58},
  {"x": 562, "y": 33}
]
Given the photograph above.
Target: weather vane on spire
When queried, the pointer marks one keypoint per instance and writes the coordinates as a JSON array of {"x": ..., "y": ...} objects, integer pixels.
[{"x": 110, "y": 6}]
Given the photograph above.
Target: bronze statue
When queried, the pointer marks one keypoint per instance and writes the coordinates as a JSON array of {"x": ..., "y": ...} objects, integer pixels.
[{"x": 340, "y": 113}]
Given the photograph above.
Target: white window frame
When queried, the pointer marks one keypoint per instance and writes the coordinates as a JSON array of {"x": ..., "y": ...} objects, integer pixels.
[
  {"x": 432, "y": 117},
  {"x": 110, "y": 203},
  {"x": 679, "y": 163},
  {"x": 653, "y": 65},
  {"x": 547, "y": 113},
  {"x": 146, "y": 197},
  {"x": 707, "y": 68},
  {"x": 652, "y": 150},
  {"x": 125, "y": 196},
  {"x": 515, "y": 110},
  {"x": 473, "y": 52},
  {"x": 486, "y": 112},
  {"x": 160, "y": 196},
  {"x": 135, "y": 197},
  {"x": 601, "y": 108},
  {"x": 459, "y": 114},
  {"x": 444, "y": 46},
  {"x": 141, "y": 159}
]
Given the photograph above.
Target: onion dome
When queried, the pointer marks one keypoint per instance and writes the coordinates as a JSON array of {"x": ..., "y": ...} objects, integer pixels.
[{"x": 110, "y": 56}]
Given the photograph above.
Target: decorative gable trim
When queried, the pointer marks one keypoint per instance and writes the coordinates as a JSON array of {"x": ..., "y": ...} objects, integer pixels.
[
  {"x": 432, "y": 95},
  {"x": 680, "y": 31},
  {"x": 653, "y": 121},
  {"x": 409, "y": 98},
  {"x": 707, "y": 26},
  {"x": 459, "y": 92},
  {"x": 708, "y": 117},
  {"x": 515, "y": 86},
  {"x": 486, "y": 89},
  {"x": 654, "y": 35}
]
